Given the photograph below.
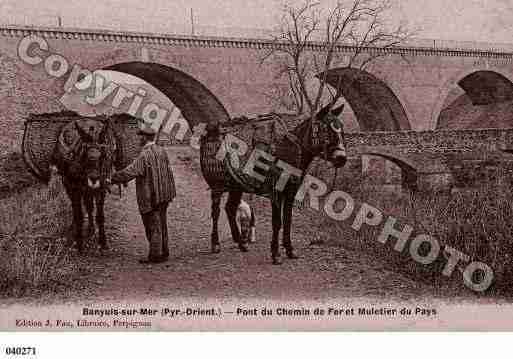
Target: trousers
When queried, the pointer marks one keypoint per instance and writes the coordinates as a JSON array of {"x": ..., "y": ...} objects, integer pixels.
[{"x": 155, "y": 226}]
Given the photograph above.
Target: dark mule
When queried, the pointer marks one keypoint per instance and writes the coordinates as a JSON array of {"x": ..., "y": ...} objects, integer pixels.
[
  {"x": 84, "y": 158},
  {"x": 320, "y": 136}
]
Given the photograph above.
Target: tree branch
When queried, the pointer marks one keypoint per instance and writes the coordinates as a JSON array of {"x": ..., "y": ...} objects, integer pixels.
[{"x": 357, "y": 23}]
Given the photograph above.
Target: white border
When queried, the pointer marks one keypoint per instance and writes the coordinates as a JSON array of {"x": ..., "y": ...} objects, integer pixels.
[{"x": 258, "y": 345}]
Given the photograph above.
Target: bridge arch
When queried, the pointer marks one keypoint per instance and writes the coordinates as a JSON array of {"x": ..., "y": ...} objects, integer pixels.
[
  {"x": 483, "y": 85},
  {"x": 196, "y": 102},
  {"x": 373, "y": 102},
  {"x": 408, "y": 168}
]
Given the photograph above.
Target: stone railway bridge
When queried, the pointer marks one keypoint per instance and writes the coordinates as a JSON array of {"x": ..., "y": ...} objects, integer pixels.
[
  {"x": 434, "y": 160},
  {"x": 404, "y": 107}
]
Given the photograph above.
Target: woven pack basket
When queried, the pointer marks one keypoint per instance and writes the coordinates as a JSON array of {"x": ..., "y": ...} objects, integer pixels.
[
  {"x": 42, "y": 133},
  {"x": 264, "y": 133}
]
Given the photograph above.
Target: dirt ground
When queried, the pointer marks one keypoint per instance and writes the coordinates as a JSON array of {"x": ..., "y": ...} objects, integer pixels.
[{"x": 323, "y": 272}]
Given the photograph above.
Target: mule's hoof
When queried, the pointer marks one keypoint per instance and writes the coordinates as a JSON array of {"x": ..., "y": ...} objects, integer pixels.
[
  {"x": 156, "y": 260},
  {"x": 277, "y": 261},
  {"x": 216, "y": 249},
  {"x": 243, "y": 248}
]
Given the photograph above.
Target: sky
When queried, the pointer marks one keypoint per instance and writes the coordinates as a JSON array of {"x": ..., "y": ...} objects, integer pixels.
[{"x": 462, "y": 20}]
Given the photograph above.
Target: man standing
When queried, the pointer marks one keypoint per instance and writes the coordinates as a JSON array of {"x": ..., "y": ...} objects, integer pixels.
[{"x": 155, "y": 188}]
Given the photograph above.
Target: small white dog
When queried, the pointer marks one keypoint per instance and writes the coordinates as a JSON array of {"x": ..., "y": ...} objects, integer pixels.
[{"x": 246, "y": 221}]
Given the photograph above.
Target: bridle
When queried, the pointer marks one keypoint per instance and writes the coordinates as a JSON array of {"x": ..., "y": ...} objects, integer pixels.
[
  {"x": 320, "y": 135},
  {"x": 98, "y": 144}
]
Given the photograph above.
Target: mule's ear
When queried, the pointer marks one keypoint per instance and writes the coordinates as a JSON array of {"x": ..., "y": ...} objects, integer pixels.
[
  {"x": 323, "y": 112},
  {"x": 337, "y": 111}
]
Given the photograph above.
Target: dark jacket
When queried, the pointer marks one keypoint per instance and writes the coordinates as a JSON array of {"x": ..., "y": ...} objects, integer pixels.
[{"x": 154, "y": 178}]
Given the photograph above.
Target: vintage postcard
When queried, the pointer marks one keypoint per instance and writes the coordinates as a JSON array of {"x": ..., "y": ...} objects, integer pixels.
[{"x": 259, "y": 165}]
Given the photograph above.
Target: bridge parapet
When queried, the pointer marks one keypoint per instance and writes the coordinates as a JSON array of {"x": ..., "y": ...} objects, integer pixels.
[
  {"x": 419, "y": 47},
  {"x": 433, "y": 142}
]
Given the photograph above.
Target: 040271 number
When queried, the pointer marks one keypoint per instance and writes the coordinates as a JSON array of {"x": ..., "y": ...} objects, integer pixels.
[{"x": 15, "y": 351}]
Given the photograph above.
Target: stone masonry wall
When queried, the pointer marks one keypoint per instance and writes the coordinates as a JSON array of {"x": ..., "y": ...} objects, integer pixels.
[{"x": 421, "y": 78}]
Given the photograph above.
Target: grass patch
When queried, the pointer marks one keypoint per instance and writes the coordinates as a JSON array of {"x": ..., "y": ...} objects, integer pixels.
[
  {"x": 34, "y": 251},
  {"x": 14, "y": 175},
  {"x": 478, "y": 223}
]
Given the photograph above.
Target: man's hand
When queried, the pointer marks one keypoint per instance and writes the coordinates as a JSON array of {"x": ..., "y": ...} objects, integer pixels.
[{"x": 109, "y": 183}]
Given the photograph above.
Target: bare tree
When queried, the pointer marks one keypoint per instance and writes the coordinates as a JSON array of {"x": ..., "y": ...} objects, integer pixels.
[{"x": 310, "y": 38}]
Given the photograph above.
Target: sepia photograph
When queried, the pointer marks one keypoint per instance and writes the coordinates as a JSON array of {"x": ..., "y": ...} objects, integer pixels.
[{"x": 263, "y": 165}]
